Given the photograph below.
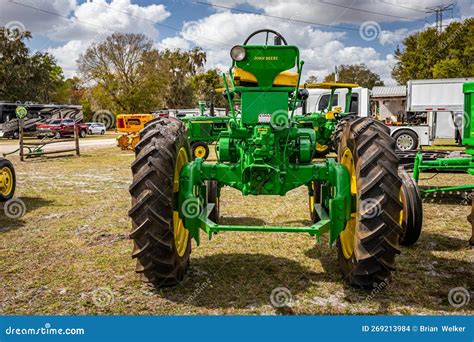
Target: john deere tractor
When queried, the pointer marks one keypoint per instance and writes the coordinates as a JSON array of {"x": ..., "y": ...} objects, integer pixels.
[
  {"x": 7, "y": 180},
  {"x": 355, "y": 199}
]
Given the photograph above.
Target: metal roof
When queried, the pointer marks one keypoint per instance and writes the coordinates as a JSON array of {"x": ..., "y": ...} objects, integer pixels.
[{"x": 393, "y": 91}]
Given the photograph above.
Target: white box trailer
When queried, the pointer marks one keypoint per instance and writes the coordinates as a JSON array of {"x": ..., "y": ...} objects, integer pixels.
[
  {"x": 436, "y": 95},
  {"x": 443, "y": 102}
]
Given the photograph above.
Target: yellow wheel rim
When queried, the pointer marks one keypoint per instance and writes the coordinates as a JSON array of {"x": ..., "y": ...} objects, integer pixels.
[
  {"x": 403, "y": 217},
  {"x": 200, "y": 151},
  {"x": 181, "y": 234},
  {"x": 6, "y": 181},
  {"x": 321, "y": 148},
  {"x": 347, "y": 236},
  {"x": 311, "y": 201}
]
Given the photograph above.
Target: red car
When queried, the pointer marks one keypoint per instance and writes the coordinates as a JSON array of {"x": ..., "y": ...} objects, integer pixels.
[{"x": 59, "y": 128}]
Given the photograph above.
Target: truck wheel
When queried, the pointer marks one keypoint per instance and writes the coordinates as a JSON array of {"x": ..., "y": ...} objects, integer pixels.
[
  {"x": 162, "y": 244},
  {"x": 82, "y": 133},
  {"x": 57, "y": 135},
  {"x": 200, "y": 149},
  {"x": 7, "y": 180},
  {"x": 369, "y": 242},
  {"x": 405, "y": 140},
  {"x": 213, "y": 197},
  {"x": 412, "y": 219}
]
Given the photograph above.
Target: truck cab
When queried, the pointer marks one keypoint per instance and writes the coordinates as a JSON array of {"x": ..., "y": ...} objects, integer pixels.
[{"x": 318, "y": 100}]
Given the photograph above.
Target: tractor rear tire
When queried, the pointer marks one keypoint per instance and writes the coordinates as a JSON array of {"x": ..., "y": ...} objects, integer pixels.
[
  {"x": 162, "y": 245},
  {"x": 212, "y": 197},
  {"x": 200, "y": 149},
  {"x": 370, "y": 241},
  {"x": 7, "y": 174},
  {"x": 412, "y": 210}
]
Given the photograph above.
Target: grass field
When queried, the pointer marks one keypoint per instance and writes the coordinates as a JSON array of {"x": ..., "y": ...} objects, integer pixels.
[{"x": 70, "y": 253}]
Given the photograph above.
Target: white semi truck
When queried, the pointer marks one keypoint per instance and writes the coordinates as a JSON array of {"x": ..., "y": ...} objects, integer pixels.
[{"x": 434, "y": 109}]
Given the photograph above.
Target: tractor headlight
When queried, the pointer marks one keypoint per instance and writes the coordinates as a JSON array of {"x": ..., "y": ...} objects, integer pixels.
[{"x": 237, "y": 53}]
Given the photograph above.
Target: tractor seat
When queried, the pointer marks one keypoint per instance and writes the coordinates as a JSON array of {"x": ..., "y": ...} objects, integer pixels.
[{"x": 283, "y": 79}]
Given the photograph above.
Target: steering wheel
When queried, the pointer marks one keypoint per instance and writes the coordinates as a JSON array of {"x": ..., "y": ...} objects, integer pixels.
[{"x": 267, "y": 31}]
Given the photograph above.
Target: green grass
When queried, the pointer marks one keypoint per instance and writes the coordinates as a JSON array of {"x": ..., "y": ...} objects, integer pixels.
[{"x": 72, "y": 246}]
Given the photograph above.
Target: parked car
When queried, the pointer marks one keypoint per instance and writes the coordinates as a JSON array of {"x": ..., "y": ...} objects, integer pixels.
[
  {"x": 59, "y": 128},
  {"x": 96, "y": 128}
]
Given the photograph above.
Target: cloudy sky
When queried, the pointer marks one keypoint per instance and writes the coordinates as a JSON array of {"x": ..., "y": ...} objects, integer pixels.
[{"x": 328, "y": 32}]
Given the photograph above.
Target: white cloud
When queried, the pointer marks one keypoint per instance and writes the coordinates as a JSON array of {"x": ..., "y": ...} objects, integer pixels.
[
  {"x": 94, "y": 20},
  {"x": 392, "y": 37},
  {"x": 321, "y": 50},
  {"x": 174, "y": 43},
  {"x": 67, "y": 55},
  {"x": 99, "y": 18},
  {"x": 335, "y": 12},
  {"x": 34, "y": 20}
]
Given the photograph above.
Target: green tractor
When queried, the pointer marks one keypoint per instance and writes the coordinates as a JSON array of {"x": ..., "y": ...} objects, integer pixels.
[
  {"x": 7, "y": 180},
  {"x": 204, "y": 130},
  {"x": 355, "y": 199}
]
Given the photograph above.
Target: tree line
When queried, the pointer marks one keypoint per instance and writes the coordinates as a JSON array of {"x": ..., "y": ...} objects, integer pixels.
[{"x": 125, "y": 73}]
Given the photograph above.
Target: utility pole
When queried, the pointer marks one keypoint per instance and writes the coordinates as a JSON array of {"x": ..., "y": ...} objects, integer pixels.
[{"x": 439, "y": 10}]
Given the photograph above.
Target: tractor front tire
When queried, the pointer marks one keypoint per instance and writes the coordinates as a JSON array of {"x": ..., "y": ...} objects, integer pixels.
[
  {"x": 200, "y": 149},
  {"x": 369, "y": 242},
  {"x": 412, "y": 210},
  {"x": 162, "y": 245},
  {"x": 7, "y": 180},
  {"x": 213, "y": 197}
]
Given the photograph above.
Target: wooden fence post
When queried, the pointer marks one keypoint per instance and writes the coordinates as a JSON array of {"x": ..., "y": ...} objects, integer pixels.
[
  {"x": 21, "y": 124},
  {"x": 76, "y": 139},
  {"x": 470, "y": 218}
]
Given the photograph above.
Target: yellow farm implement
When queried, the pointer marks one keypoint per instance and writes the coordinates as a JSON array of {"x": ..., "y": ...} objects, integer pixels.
[{"x": 130, "y": 125}]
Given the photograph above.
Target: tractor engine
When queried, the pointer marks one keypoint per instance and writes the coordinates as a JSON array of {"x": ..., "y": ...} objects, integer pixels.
[{"x": 262, "y": 146}]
